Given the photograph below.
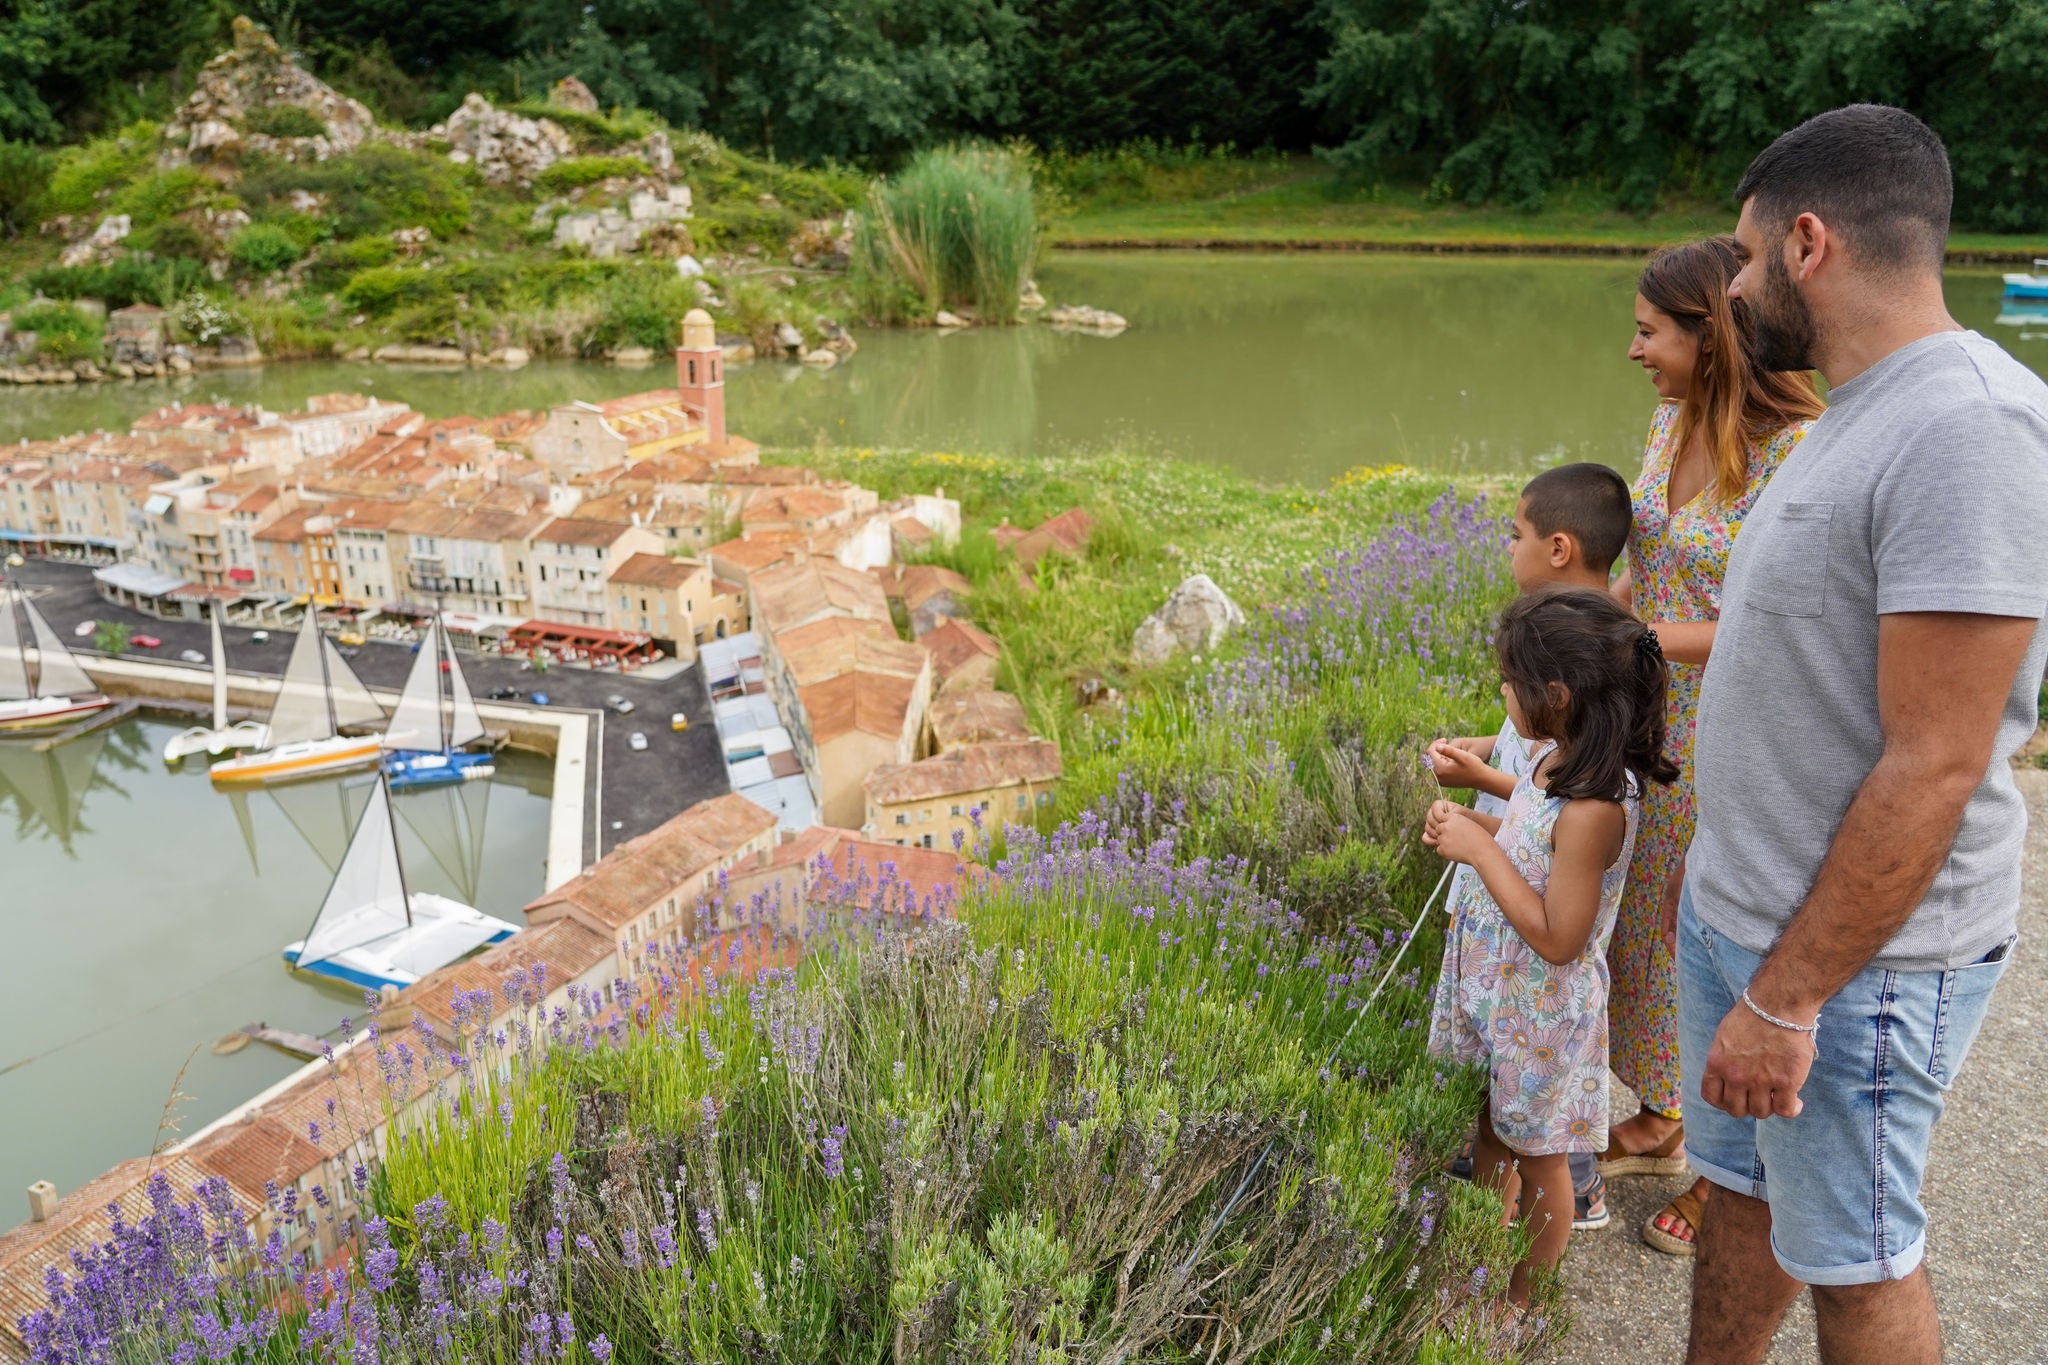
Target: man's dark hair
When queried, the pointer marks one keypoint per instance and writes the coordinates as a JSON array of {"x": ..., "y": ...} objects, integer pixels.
[
  {"x": 1873, "y": 173},
  {"x": 1588, "y": 502}
]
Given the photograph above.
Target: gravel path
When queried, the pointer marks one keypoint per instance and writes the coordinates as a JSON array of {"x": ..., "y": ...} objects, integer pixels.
[{"x": 1631, "y": 1302}]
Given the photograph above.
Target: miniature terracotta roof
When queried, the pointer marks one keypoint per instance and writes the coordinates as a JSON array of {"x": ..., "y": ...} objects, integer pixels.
[
  {"x": 849, "y": 652},
  {"x": 800, "y": 592},
  {"x": 861, "y": 700},
  {"x": 960, "y": 772},
  {"x": 799, "y": 639},
  {"x": 657, "y": 571},
  {"x": 669, "y": 860},
  {"x": 1066, "y": 533},
  {"x": 581, "y": 531},
  {"x": 917, "y": 584},
  {"x": 253, "y": 1154},
  {"x": 564, "y": 947},
  {"x": 954, "y": 644},
  {"x": 980, "y": 715}
]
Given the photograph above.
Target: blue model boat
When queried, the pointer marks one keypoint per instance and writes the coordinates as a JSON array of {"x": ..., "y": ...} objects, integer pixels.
[
  {"x": 436, "y": 717},
  {"x": 2032, "y": 287}
]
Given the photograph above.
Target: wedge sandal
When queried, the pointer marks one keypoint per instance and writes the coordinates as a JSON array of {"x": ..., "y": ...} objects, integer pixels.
[
  {"x": 1665, "y": 1159},
  {"x": 1686, "y": 1206}
]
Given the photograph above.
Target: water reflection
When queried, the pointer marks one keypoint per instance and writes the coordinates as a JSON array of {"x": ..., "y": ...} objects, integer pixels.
[
  {"x": 46, "y": 787},
  {"x": 447, "y": 823}
]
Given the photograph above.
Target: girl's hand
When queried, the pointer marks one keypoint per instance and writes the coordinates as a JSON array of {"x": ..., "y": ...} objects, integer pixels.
[
  {"x": 1450, "y": 829},
  {"x": 1455, "y": 765}
]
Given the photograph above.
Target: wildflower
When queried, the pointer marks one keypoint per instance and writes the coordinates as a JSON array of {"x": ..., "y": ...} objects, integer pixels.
[{"x": 600, "y": 1349}]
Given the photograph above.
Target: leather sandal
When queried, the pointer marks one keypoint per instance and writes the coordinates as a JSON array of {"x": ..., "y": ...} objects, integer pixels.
[
  {"x": 1686, "y": 1206},
  {"x": 1665, "y": 1159}
]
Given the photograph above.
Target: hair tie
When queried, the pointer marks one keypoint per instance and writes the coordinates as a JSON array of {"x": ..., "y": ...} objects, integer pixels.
[{"x": 1648, "y": 647}]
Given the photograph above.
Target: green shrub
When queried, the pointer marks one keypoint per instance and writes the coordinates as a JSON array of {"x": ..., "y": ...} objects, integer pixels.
[
  {"x": 24, "y": 175},
  {"x": 592, "y": 132},
  {"x": 284, "y": 120},
  {"x": 161, "y": 195},
  {"x": 264, "y": 248},
  {"x": 334, "y": 263},
  {"x": 375, "y": 190},
  {"x": 957, "y": 226},
  {"x": 172, "y": 237},
  {"x": 111, "y": 638},
  {"x": 83, "y": 174},
  {"x": 128, "y": 280},
  {"x": 644, "y": 309},
  {"x": 382, "y": 288},
  {"x": 730, "y": 224},
  {"x": 577, "y": 171},
  {"x": 64, "y": 333}
]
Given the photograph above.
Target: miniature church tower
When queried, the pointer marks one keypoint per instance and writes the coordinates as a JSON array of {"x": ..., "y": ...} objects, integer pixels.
[{"x": 700, "y": 374}]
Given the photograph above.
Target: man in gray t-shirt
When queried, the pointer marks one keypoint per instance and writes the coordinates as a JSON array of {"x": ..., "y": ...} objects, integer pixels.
[{"x": 1852, "y": 887}]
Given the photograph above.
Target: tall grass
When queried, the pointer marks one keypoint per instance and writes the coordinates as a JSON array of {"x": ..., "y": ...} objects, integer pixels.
[{"x": 955, "y": 228}]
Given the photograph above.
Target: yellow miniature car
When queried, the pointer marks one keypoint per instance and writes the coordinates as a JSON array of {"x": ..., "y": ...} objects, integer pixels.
[
  {"x": 678, "y": 721},
  {"x": 350, "y": 637}
]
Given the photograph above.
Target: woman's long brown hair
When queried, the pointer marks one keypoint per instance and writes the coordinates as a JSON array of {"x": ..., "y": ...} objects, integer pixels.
[{"x": 1731, "y": 402}]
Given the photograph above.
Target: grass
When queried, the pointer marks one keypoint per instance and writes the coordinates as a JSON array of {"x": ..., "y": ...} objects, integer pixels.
[
  {"x": 956, "y": 228},
  {"x": 1135, "y": 1096},
  {"x": 1146, "y": 196}
]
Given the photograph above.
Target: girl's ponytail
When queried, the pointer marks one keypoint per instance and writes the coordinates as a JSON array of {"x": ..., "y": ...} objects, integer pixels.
[{"x": 1646, "y": 756}]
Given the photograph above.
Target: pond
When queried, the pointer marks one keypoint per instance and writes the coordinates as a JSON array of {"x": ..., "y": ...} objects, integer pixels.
[
  {"x": 143, "y": 912},
  {"x": 1284, "y": 366}
]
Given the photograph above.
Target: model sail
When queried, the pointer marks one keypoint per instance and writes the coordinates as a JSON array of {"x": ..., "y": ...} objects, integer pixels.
[
  {"x": 417, "y": 722},
  {"x": 465, "y": 726},
  {"x": 13, "y": 662},
  {"x": 321, "y": 692},
  {"x": 57, "y": 672},
  {"x": 367, "y": 900},
  {"x": 220, "y": 675}
]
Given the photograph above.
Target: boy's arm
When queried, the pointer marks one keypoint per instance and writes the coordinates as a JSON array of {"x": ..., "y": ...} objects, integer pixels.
[{"x": 1557, "y": 924}]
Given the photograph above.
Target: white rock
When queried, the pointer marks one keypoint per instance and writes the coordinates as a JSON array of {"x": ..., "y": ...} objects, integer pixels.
[
  {"x": 632, "y": 355},
  {"x": 789, "y": 338},
  {"x": 689, "y": 267},
  {"x": 1079, "y": 318},
  {"x": 1195, "y": 616},
  {"x": 821, "y": 358},
  {"x": 942, "y": 318},
  {"x": 512, "y": 357}
]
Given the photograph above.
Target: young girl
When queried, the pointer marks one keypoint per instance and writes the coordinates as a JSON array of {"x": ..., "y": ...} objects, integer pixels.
[{"x": 1524, "y": 984}]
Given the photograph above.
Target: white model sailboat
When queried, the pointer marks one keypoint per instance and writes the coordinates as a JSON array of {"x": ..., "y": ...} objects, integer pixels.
[
  {"x": 428, "y": 729},
  {"x": 321, "y": 693},
  {"x": 371, "y": 931},
  {"x": 60, "y": 690},
  {"x": 220, "y": 736}
]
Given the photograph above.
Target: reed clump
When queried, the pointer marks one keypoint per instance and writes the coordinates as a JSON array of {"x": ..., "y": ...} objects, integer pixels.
[{"x": 956, "y": 228}]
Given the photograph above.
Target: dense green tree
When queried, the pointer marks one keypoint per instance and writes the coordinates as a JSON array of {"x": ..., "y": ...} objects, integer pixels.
[{"x": 63, "y": 63}]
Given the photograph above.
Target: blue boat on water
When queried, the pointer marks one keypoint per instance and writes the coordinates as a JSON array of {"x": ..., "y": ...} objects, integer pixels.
[
  {"x": 424, "y": 746},
  {"x": 2032, "y": 287}
]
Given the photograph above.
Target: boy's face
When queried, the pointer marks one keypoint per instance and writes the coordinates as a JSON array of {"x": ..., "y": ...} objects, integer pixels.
[{"x": 1538, "y": 560}]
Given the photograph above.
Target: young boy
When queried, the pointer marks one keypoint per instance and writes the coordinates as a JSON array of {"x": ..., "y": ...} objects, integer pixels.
[{"x": 1571, "y": 524}]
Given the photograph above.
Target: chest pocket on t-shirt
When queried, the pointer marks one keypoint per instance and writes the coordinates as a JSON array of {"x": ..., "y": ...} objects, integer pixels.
[{"x": 1790, "y": 577}]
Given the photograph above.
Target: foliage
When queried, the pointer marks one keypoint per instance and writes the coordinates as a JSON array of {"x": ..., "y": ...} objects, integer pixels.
[
  {"x": 160, "y": 195},
  {"x": 205, "y": 321},
  {"x": 68, "y": 67},
  {"x": 573, "y": 173},
  {"x": 376, "y": 189},
  {"x": 956, "y": 227},
  {"x": 24, "y": 174},
  {"x": 111, "y": 638},
  {"x": 285, "y": 120},
  {"x": 592, "y": 132},
  {"x": 86, "y": 175},
  {"x": 130, "y": 279},
  {"x": 64, "y": 332},
  {"x": 264, "y": 248},
  {"x": 334, "y": 263}
]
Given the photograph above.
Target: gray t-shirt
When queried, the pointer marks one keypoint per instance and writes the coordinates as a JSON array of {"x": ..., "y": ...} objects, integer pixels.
[{"x": 1924, "y": 488}]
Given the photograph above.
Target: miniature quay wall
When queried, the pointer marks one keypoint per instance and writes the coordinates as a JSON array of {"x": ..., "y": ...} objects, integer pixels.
[{"x": 562, "y": 735}]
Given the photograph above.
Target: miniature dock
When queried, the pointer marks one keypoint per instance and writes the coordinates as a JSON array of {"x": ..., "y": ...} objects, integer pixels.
[{"x": 303, "y": 1045}]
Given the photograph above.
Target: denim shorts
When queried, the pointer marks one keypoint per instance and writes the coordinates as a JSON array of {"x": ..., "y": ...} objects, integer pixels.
[{"x": 1843, "y": 1177}]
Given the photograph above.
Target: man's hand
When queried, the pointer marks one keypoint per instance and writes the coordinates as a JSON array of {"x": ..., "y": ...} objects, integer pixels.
[
  {"x": 1455, "y": 765},
  {"x": 1450, "y": 829},
  {"x": 1755, "y": 1068}
]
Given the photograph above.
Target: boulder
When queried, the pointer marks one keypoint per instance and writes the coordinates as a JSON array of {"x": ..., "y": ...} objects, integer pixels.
[
  {"x": 573, "y": 95},
  {"x": 100, "y": 246},
  {"x": 506, "y": 148},
  {"x": 397, "y": 354},
  {"x": 411, "y": 241},
  {"x": 632, "y": 355},
  {"x": 1028, "y": 297},
  {"x": 1195, "y": 616},
  {"x": 1079, "y": 318},
  {"x": 254, "y": 74},
  {"x": 942, "y": 318},
  {"x": 689, "y": 267},
  {"x": 122, "y": 370},
  {"x": 735, "y": 350},
  {"x": 821, "y": 358},
  {"x": 512, "y": 357},
  {"x": 837, "y": 339},
  {"x": 789, "y": 339}
]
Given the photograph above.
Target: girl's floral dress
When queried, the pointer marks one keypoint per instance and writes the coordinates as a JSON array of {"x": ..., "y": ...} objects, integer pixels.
[
  {"x": 1676, "y": 561},
  {"x": 1540, "y": 1028}
]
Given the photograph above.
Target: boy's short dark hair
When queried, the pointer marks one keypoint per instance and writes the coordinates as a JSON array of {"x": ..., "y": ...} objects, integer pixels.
[
  {"x": 1588, "y": 502},
  {"x": 1876, "y": 174}
]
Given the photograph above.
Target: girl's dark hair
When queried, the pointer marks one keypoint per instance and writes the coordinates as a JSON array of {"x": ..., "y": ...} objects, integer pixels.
[{"x": 1610, "y": 726}]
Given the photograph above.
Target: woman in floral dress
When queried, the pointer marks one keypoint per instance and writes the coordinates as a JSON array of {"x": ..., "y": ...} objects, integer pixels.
[{"x": 1719, "y": 433}]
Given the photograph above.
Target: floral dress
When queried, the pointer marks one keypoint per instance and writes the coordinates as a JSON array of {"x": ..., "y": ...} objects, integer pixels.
[
  {"x": 1541, "y": 1028},
  {"x": 1676, "y": 561}
]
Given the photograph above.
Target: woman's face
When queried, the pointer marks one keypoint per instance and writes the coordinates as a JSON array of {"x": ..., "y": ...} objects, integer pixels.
[{"x": 1664, "y": 349}]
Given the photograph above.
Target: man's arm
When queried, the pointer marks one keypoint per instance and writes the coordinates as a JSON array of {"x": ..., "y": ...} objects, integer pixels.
[{"x": 1942, "y": 683}]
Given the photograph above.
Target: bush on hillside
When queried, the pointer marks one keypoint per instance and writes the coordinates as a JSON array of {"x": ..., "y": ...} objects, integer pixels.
[
  {"x": 956, "y": 227},
  {"x": 573, "y": 173},
  {"x": 264, "y": 248},
  {"x": 64, "y": 332},
  {"x": 85, "y": 176},
  {"x": 284, "y": 120},
  {"x": 160, "y": 195},
  {"x": 128, "y": 280},
  {"x": 375, "y": 190},
  {"x": 172, "y": 237},
  {"x": 334, "y": 263},
  {"x": 637, "y": 310},
  {"x": 592, "y": 132},
  {"x": 24, "y": 175}
]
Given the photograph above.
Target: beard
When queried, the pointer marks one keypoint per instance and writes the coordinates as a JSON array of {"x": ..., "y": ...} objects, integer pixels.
[{"x": 1785, "y": 331}]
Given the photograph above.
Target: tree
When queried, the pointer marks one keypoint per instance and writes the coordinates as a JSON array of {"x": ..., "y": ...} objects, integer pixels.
[{"x": 111, "y": 639}]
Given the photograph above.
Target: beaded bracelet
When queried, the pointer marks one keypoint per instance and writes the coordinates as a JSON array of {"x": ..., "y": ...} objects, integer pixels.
[{"x": 1760, "y": 1012}]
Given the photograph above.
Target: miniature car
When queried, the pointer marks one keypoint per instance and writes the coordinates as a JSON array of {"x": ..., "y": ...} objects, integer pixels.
[
  {"x": 540, "y": 699},
  {"x": 259, "y": 637},
  {"x": 618, "y": 704},
  {"x": 349, "y": 637},
  {"x": 84, "y": 628},
  {"x": 679, "y": 721},
  {"x": 506, "y": 694},
  {"x": 144, "y": 641},
  {"x": 192, "y": 656},
  {"x": 636, "y": 741}
]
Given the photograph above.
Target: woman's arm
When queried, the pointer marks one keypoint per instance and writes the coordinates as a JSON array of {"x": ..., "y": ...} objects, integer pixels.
[
  {"x": 1685, "y": 642},
  {"x": 1559, "y": 923},
  {"x": 1624, "y": 589}
]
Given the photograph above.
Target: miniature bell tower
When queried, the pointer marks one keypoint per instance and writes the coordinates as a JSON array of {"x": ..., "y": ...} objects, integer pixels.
[{"x": 700, "y": 375}]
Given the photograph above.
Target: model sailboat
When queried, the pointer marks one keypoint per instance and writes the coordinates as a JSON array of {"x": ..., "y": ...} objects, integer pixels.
[
  {"x": 371, "y": 931},
  {"x": 428, "y": 729},
  {"x": 60, "y": 691},
  {"x": 220, "y": 736},
  {"x": 321, "y": 693}
]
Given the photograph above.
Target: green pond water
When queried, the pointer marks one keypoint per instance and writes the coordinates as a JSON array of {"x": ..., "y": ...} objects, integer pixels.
[
  {"x": 1287, "y": 367},
  {"x": 143, "y": 912}
]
